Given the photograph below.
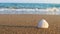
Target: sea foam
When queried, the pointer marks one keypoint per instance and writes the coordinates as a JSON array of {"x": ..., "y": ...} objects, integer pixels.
[{"x": 28, "y": 11}]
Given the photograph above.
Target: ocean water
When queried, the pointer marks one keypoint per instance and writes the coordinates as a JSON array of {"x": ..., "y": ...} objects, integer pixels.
[
  {"x": 16, "y": 8},
  {"x": 28, "y": 5}
]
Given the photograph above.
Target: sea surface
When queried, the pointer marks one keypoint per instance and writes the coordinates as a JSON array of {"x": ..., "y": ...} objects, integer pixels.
[{"x": 28, "y": 6}]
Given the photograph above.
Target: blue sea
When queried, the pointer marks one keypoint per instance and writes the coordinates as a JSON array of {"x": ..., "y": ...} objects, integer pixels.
[{"x": 28, "y": 6}]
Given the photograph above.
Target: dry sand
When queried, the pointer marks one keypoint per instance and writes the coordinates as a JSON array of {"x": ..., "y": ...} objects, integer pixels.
[{"x": 27, "y": 24}]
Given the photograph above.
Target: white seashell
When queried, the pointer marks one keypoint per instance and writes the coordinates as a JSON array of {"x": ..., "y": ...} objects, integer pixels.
[{"x": 43, "y": 24}]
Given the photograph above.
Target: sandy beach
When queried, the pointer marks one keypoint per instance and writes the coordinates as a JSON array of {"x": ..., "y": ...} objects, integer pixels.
[{"x": 27, "y": 24}]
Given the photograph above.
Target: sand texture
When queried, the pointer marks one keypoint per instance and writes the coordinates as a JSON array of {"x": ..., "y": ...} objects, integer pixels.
[{"x": 27, "y": 24}]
